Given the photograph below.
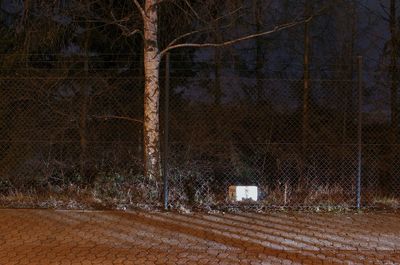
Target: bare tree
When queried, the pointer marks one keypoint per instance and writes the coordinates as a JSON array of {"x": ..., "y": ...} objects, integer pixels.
[{"x": 149, "y": 11}]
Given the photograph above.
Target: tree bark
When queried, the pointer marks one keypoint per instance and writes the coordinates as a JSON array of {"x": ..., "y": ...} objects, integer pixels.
[
  {"x": 394, "y": 117},
  {"x": 348, "y": 70},
  {"x": 217, "y": 90},
  {"x": 83, "y": 128},
  {"x": 393, "y": 72},
  {"x": 151, "y": 92},
  {"x": 259, "y": 52},
  {"x": 84, "y": 97},
  {"x": 306, "y": 79}
]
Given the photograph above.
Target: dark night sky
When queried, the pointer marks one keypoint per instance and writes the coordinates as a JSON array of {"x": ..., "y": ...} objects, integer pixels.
[{"x": 374, "y": 34}]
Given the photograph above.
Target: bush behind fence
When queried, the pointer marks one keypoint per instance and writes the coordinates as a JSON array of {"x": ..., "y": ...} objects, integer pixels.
[{"x": 88, "y": 131}]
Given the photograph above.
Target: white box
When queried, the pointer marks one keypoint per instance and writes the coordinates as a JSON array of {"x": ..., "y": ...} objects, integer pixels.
[{"x": 240, "y": 193}]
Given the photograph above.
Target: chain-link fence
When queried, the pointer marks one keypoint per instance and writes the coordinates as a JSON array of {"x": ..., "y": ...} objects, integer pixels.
[
  {"x": 57, "y": 132},
  {"x": 265, "y": 142},
  {"x": 335, "y": 147},
  {"x": 298, "y": 150}
]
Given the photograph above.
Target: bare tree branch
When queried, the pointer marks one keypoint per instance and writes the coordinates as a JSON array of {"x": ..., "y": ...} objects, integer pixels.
[
  {"x": 187, "y": 35},
  {"x": 125, "y": 30},
  {"x": 384, "y": 9},
  {"x": 375, "y": 13},
  {"x": 233, "y": 12},
  {"x": 230, "y": 42},
  {"x": 278, "y": 28},
  {"x": 206, "y": 29},
  {"x": 133, "y": 32},
  {"x": 194, "y": 11},
  {"x": 163, "y": 1},
  {"x": 140, "y": 8},
  {"x": 108, "y": 117}
]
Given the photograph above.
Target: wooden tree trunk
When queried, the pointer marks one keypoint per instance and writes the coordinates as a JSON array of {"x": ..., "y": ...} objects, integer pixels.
[
  {"x": 83, "y": 112},
  {"x": 217, "y": 90},
  {"x": 394, "y": 122},
  {"x": 306, "y": 79},
  {"x": 259, "y": 52},
  {"x": 306, "y": 97},
  {"x": 151, "y": 93},
  {"x": 393, "y": 72},
  {"x": 83, "y": 128}
]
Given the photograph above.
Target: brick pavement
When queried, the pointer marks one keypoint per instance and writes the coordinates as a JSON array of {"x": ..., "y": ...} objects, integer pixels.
[{"x": 108, "y": 237}]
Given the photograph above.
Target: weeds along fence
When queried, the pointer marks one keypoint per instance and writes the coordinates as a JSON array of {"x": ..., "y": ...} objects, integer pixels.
[{"x": 336, "y": 147}]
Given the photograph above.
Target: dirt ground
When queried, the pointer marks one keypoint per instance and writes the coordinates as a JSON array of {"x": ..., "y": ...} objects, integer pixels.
[{"x": 110, "y": 237}]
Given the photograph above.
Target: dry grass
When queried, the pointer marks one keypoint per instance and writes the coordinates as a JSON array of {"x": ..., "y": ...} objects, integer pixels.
[
  {"x": 107, "y": 192},
  {"x": 385, "y": 201},
  {"x": 328, "y": 195},
  {"x": 122, "y": 192}
]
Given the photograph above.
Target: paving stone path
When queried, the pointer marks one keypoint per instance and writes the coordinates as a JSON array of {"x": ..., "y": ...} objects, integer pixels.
[{"x": 106, "y": 237}]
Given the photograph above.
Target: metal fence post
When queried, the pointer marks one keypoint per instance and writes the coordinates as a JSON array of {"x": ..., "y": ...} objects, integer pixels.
[
  {"x": 359, "y": 131},
  {"x": 166, "y": 132}
]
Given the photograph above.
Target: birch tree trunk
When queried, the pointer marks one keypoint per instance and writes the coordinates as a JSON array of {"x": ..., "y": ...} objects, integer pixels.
[{"x": 151, "y": 92}]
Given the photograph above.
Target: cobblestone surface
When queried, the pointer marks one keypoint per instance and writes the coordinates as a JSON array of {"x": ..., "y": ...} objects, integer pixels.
[{"x": 76, "y": 237}]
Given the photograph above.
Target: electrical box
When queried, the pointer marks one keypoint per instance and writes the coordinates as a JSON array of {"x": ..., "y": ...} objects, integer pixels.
[{"x": 243, "y": 193}]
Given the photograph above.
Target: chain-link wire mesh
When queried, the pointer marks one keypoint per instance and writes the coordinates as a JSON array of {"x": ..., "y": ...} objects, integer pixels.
[
  {"x": 76, "y": 131},
  {"x": 298, "y": 151}
]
